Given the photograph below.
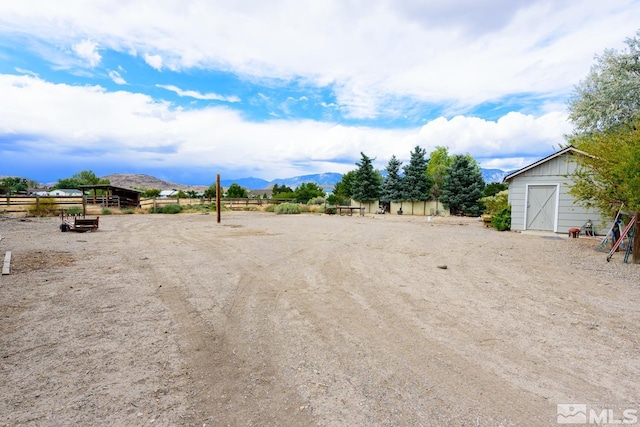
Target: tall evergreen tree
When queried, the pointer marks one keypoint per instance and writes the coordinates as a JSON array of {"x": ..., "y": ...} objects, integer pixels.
[
  {"x": 416, "y": 185},
  {"x": 462, "y": 187},
  {"x": 367, "y": 181},
  {"x": 392, "y": 183}
]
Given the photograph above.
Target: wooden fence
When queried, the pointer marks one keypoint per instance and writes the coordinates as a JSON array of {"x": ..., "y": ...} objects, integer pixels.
[
  {"x": 233, "y": 204},
  {"x": 38, "y": 205}
]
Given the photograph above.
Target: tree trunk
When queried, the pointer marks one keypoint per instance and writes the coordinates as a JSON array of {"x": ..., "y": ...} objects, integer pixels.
[{"x": 635, "y": 248}]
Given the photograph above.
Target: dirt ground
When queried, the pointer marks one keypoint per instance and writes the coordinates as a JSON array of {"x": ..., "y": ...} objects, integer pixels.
[{"x": 310, "y": 320}]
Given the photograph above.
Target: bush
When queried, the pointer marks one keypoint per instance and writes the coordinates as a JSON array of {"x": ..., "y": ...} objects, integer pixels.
[
  {"x": 44, "y": 207},
  {"x": 496, "y": 203},
  {"x": 75, "y": 210},
  {"x": 249, "y": 208},
  {"x": 106, "y": 211},
  {"x": 287, "y": 208},
  {"x": 172, "y": 208},
  {"x": 316, "y": 201},
  {"x": 501, "y": 221},
  {"x": 270, "y": 208},
  {"x": 128, "y": 211}
]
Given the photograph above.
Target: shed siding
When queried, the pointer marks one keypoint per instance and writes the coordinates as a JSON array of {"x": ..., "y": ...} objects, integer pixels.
[{"x": 553, "y": 172}]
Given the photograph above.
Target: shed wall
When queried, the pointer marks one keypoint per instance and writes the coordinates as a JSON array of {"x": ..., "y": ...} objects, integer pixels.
[{"x": 556, "y": 171}]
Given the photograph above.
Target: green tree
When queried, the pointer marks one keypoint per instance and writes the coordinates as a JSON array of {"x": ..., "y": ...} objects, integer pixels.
[
  {"x": 181, "y": 195},
  {"x": 416, "y": 185},
  {"x": 392, "y": 183},
  {"x": 367, "y": 181},
  {"x": 154, "y": 192},
  {"x": 462, "y": 187},
  {"x": 85, "y": 177},
  {"x": 343, "y": 188},
  {"x": 610, "y": 94},
  {"x": 307, "y": 191},
  {"x": 192, "y": 194},
  {"x": 11, "y": 185},
  {"x": 280, "y": 189},
  {"x": 493, "y": 188},
  {"x": 236, "y": 192},
  {"x": 605, "y": 112},
  {"x": 210, "y": 192},
  {"x": 439, "y": 163},
  {"x": 609, "y": 176}
]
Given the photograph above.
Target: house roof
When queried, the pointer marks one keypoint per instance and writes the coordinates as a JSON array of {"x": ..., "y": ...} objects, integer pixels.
[{"x": 568, "y": 150}]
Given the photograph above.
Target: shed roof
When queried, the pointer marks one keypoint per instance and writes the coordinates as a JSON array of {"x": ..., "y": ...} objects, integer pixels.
[
  {"x": 567, "y": 150},
  {"x": 107, "y": 187}
]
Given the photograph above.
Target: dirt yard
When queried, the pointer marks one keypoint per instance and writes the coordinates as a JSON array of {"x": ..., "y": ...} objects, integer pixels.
[{"x": 310, "y": 320}]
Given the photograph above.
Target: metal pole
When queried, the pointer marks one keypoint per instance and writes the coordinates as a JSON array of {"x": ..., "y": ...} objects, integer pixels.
[{"x": 218, "y": 197}]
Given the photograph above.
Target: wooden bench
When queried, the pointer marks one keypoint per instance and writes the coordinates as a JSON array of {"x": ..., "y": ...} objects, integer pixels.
[{"x": 350, "y": 209}]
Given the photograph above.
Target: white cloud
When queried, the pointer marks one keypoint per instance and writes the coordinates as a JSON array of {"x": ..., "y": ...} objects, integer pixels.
[
  {"x": 123, "y": 127},
  {"x": 87, "y": 50},
  {"x": 461, "y": 53},
  {"x": 117, "y": 78},
  {"x": 198, "y": 95},
  {"x": 154, "y": 61}
]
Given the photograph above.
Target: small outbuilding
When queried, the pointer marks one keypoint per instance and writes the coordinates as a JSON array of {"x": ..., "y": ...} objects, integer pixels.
[
  {"x": 110, "y": 195},
  {"x": 540, "y": 199}
]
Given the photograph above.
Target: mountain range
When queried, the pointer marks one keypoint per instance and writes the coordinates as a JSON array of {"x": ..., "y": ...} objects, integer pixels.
[{"x": 326, "y": 180}]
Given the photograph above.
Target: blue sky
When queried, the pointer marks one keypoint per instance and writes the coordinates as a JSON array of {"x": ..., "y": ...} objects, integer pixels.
[{"x": 184, "y": 90}]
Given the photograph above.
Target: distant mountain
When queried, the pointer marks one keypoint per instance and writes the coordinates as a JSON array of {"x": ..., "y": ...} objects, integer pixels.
[
  {"x": 148, "y": 182},
  {"x": 323, "y": 180},
  {"x": 249, "y": 183},
  {"x": 326, "y": 180},
  {"x": 494, "y": 175}
]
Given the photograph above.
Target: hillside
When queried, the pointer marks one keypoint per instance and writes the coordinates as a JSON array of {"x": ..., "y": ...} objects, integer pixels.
[{"x": 148, "y": 182}]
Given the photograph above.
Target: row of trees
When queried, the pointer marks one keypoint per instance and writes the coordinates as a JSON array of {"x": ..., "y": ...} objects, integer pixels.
[
  {"x": 605, "y": 111},
  {"x": 453, "y": 180}
]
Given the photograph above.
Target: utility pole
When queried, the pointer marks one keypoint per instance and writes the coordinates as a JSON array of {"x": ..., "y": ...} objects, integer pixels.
[{"x": 218, "y": 207}]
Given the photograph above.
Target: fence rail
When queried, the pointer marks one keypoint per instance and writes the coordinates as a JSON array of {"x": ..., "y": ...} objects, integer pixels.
[{"x": 26, "y": 204}]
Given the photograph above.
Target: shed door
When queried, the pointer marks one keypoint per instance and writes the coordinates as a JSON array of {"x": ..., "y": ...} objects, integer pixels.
[{"x": 541, "y": 207}]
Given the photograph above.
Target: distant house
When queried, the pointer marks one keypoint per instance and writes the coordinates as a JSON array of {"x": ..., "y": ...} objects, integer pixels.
[
  {"x": 540, "y": 199},
  {"x": 65, "y": 192},
  {"x": 168, "y": 193}
]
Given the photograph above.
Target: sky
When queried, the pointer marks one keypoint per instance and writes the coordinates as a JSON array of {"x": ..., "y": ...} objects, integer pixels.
[{"x": 187, "y": 89}]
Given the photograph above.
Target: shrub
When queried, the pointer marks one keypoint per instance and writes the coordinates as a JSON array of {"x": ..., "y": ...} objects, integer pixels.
[
  {"x": 304, "y": 208},
  {"x": 501, "y": 221},
  {"x": 75, "y": 210},
  {"x": 249, "y": 208},
  {"x": 128, "y": 211},
  {"x": 316, "y": 201},
  {"x": 270, "y": 208},
  {"x": 496, "y": 203},
  {"x": 106, "y": 211},
  {"x": 287, "y": 208},
  {"x": 43, "y": 207},
  {"x": 172, "y": 208}
]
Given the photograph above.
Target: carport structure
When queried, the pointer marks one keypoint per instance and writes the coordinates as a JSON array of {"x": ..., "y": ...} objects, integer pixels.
[{"x": 111, "y": 196}]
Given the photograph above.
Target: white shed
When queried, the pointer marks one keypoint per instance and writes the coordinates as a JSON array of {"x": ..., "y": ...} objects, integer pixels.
[{"x": 540, "y": 199}]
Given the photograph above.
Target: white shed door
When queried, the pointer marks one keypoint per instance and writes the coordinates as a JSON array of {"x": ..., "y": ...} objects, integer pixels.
[{"x": 541, "y": 207}]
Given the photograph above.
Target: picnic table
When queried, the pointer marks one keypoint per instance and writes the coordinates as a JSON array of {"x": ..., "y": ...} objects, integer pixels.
[{"x": 350, "y": 209}]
